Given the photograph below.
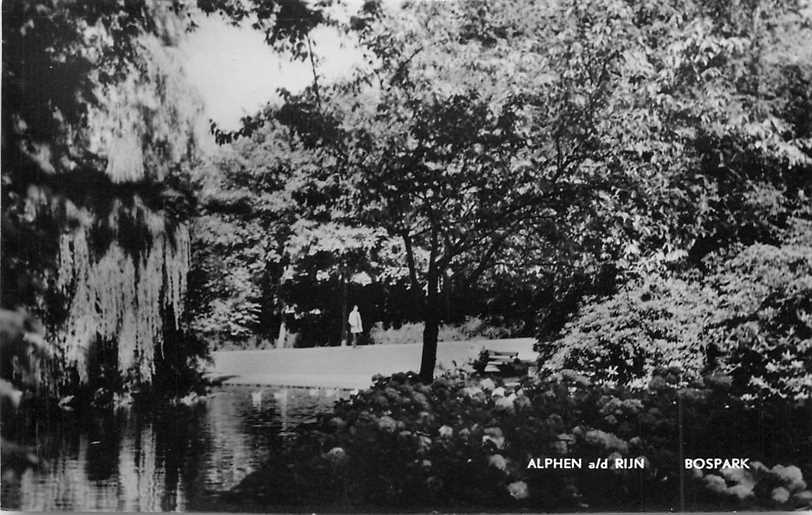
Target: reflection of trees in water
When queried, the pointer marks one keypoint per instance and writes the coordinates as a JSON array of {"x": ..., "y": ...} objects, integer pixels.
[
  {"x": 127, "y": 461},
  {"x": 160, "y": 458},
  {"x": 80, "y": 465},
  {"x": 138, "y": 473},
  {"x": 175, "y": 459},
  {"x": 102, "y": 437},
  {"x": 179, "y": 445},
  {"x": 247, "y": 430},
  {"x": 243, "y": 435}
]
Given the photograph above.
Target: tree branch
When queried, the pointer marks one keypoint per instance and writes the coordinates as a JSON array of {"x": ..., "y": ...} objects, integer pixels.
[
  {"x": 407, "y": 243},
  {"x": 313, "y": 68}
]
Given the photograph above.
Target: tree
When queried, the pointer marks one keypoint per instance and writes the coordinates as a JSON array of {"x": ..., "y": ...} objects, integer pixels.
[
  {"x": 461, "y": 148},
  {"x": 99, "y": 135},
  {"x": 99, "y": 144},
  {"x": 729, "y": 103},
  {"x": 562, "y": 138},
  {"x": 256, "y": 262}
]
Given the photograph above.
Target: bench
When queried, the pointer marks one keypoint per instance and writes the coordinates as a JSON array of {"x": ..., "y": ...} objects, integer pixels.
[{"x": 504, "y": 362}]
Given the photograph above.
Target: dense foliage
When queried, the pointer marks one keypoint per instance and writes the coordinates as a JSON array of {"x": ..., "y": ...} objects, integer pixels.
[
  {"x": 22, "y": 351},
  {"x": 748, "y": 316},
  {"x": 258, "y": 263},
  {"x": 466, "y": 442},
  {"x": 629, "y": 179},
  {"x": 716, "y": 275},
  {"x": 101, "y": 136},
  {"x": 99, "y": 133},
  {"x": 537, "y": 154}
]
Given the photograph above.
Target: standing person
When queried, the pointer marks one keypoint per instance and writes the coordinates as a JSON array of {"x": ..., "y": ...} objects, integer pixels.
[{"x": 356, "y": 326}]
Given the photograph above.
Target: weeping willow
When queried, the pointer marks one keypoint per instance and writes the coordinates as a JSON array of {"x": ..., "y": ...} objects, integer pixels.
[
  {"x": 121, "y": 298},
  {"x": 95, "y": 239}
]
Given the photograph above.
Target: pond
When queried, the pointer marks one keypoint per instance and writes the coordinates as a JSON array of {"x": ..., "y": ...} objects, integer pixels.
[{"x": 177, "y": 459}]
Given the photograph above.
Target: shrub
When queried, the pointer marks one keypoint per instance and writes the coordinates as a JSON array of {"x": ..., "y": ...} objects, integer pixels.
[
  {"x": 751, "y": 319},
  {"x": 407, "y": 333},
  {"x": 412, "y": 332},
  {"x": 466, "y": 443},
  {"x": 625, "y": 337}
]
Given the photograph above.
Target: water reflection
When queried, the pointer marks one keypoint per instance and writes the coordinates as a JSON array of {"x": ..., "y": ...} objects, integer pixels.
[{"x": 174, "y": 460}]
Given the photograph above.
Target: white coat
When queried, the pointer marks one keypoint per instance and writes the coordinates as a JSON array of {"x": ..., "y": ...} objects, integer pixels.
[{"x": 356, "y": 325}]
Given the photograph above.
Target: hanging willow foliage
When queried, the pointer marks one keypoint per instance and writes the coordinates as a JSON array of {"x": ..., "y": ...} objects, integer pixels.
[
  {"x": 122, "y": 299},
  {"x": 96, "y": 194}
]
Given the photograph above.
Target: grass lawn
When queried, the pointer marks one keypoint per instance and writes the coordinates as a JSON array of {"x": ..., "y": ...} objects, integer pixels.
[{"x": 347, "y": 367}]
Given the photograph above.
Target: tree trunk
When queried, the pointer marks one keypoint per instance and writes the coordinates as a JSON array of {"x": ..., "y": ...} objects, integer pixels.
[
  {"x": 345, "y": 294},
  {"x": 283, "y": 333},
  {"x": 447, "y": 284},
  {"x": 429, "y": 357},
  {"x": 431, "y": 319}
]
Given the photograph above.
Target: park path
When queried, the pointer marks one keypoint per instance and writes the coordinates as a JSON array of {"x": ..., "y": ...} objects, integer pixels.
[{"x": 347, "y": 367}]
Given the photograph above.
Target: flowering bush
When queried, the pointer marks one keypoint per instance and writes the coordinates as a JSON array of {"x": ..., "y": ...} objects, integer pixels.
[
  {"x": 467, "y": 443},
  {"x": 750, "y": 319}
]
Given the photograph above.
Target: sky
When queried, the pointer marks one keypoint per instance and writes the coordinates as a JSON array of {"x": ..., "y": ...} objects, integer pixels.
[{"x": 236, "y": 72}]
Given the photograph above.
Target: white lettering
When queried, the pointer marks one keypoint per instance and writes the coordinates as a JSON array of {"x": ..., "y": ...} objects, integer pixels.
[{"x": 717, "y": 463}]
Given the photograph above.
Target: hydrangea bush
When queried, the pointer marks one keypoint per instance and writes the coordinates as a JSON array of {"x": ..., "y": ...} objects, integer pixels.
[{"x": 466, "y": 442}]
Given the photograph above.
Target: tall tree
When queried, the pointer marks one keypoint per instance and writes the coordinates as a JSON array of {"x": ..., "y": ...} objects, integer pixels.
[
  {"x": 99, "y": 142},
  {"x": 560, "y": 137},
  {"x": 265, "y": 247},
  {"x": 457, "y": 144}
]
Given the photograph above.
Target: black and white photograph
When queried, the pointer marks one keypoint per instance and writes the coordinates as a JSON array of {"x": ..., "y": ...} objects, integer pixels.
[{"x": 422, "y": 256}]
